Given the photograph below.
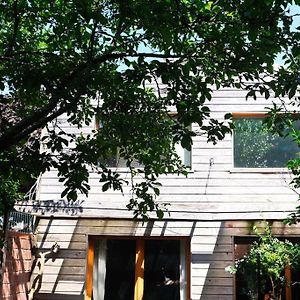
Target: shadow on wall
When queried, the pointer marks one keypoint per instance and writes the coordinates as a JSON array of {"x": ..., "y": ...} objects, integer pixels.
[
  {"x": 212, "y": 250},
  {"x": 18, "y": 264},
  {"x": 63, "y": 274},
  {"x": 209, "y": 278},
  {"x": 60, "y": 206}
]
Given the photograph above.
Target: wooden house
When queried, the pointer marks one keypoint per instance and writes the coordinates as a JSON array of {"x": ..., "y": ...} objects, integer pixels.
[{"x": 105, "y": 254}]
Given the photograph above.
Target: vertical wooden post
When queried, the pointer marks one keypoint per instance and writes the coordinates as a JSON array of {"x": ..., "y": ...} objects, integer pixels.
[
  {"x": 89, "y": 271},
  {"x": 288, "y": 278},
  {"x": 188, "y": 268},
  {"x": 139, "y": 270}
]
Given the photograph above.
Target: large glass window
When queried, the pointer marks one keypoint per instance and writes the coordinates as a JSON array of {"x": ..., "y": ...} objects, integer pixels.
[
  {"x": 114, "y": 265},
  {"x": 162, "y": 270},
  {"x": 131, "y": 269},
  {"x": 247, "y": 288},
  {"x": 113, "y": 158},
  {"x": 256, "y": 147}
]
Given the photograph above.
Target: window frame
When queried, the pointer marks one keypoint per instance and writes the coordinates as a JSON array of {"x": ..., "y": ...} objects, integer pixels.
[
  {"x": 122, "y": 168},
  {"x": 182, "y": 155},
  {"x": 139, "y": 259},
  {"x": 248, "y": 240},
  {"x": 258, "y": 115},
  {"x": 174, "y": 114}
]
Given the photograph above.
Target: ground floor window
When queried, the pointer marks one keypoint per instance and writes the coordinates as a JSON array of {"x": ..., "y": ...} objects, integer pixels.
[
  {"x": 249, "y": 290},
  {"x": 132, "y": 269}
]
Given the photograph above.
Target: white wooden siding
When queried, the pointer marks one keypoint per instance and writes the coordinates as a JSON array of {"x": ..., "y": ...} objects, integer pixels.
[
  {"x": 212, "y": 205},
  {"x": 212, "y": 189},
  {"x": 212, "y": 245}
]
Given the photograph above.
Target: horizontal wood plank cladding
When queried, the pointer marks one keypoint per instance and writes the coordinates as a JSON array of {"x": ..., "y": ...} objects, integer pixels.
[
  {"x": 218, "y": 266},
  {"x": 52, "y": 278},
  {"x": 212, "y": 297},
  {"x": 211, "y": 250},
  {"x": 216, "y": 179},
  {"x": 56, "y": 205},
  {"x": 204, "y": 186},
  {"x": 260, "y": 173},
  {"x": 243, "y": 189},
  {"x": 67, "y": 270},
  {"x": 81, "y": 226},
  {"x": 63, "y": 286},
  {"x": 210, "y": 290},
  {"x": 199, "y": 215},
  {"x": 204, "y": 205},
  {"x": 66, "y": 263},
  {"x": 212, "y": 282},
  {"x": 57, "y": 296},
  {"x": 211, "y": 274},
  {"x": 77, "y": 245},
  {"x": 157, "y": 231},
  {"x": 232, "y": 184}
]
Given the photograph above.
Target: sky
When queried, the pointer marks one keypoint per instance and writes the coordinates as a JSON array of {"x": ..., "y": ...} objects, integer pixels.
[{"x": 294, "y": 9}]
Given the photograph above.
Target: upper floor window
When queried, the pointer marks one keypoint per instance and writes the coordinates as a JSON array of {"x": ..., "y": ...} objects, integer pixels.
[
  {"x": 255, "y": 146},
  {"x": 114, "y": 159}
]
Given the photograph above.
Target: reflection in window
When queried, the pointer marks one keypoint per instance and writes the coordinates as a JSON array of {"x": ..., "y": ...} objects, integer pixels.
[
  {"x": 162, "y": 273},
  {"x": 256, "y": 147},
  {"x": 248, "y": 289}
]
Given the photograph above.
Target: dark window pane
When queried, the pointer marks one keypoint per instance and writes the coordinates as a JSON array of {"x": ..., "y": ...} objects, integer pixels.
[
  {"x": 243, "y": 292},
  {"x": 120, "y": 270},
  {"x": 162, "y": 263},
  {"x": 296, "y": 284},
  {"x": 256, "y": 147},
  {"x": 246, "y": 284},
  {"x": 110, "y": 159},
  {"x": 113, "y": 159}
]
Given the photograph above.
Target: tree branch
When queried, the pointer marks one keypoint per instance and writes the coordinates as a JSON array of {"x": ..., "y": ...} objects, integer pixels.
[
  {"x": 15, "y": 29},
  {"x": 40, "y": 117},
  {"x": 14, "y": 134},
  {"x": 42, "y": 122}
]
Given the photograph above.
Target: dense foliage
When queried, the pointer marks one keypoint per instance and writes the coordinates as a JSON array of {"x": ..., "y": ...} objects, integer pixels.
[
  {"x": 266, "y": 262},
  {"x": 128, "y": 62}
]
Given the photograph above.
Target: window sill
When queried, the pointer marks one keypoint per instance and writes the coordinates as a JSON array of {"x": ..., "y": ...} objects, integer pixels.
[{"x": 260, "y": 170}]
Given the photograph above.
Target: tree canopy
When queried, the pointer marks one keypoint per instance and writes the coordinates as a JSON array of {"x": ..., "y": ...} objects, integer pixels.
[{"x": 128, "y": 62}]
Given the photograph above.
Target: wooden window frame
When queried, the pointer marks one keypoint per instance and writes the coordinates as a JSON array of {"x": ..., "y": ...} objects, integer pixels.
[
  {"x": 258, "y": 115},
  {"x": 139, "y": 263},
  {"x": 287, "y": 270},
  {"x": 89, "y": 270},
  {"x": 288, "y": 288},
  {"x": 239, "y": 115}
]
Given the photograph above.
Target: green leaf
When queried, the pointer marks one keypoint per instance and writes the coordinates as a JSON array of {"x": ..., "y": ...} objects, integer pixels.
[
  {"x": 227, "y": 116},
  {"x": 72, "y": 195},
  {"x": 160, "y": 214},
  {"x": 156, "y": 191},
  {"x": 106, "y": 186}
]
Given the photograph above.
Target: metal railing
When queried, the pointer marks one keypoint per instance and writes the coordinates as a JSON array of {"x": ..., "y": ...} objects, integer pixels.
[{"x": 21, "y": 222}]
